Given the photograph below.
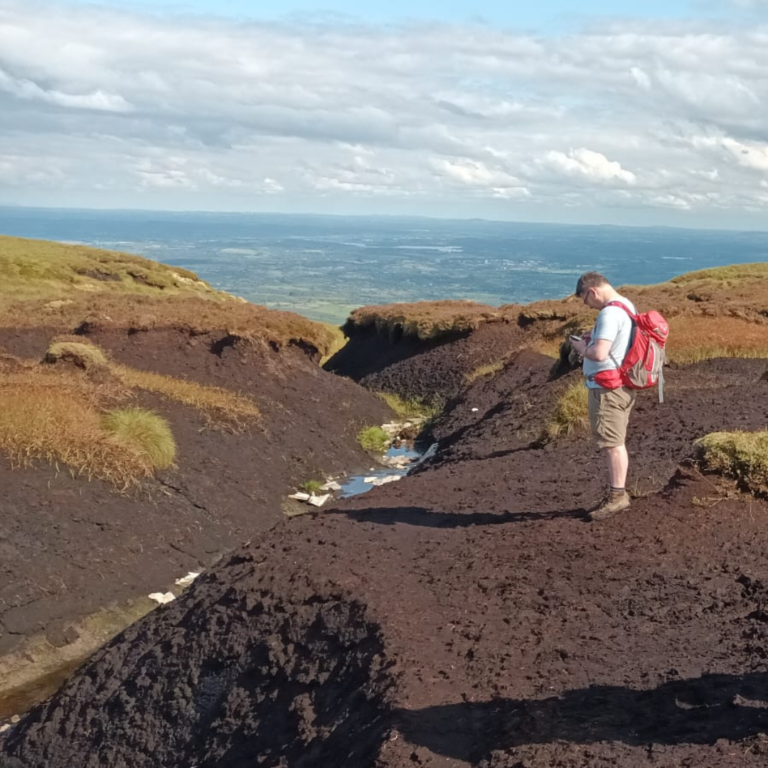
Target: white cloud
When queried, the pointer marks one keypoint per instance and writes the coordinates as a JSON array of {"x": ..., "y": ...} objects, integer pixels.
[
  {"x": 98, "y": 99},
  {"x": 106, "y": 105},
  {"x": 587, "y": 164}
]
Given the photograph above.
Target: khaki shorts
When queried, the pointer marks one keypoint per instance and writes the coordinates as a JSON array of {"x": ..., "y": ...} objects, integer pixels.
[{"x": 609, "y": 411}]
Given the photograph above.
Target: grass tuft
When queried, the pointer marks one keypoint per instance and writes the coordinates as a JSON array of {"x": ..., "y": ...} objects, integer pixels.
[
  {"x": 312, "y": 486},
  {"x": 373, "y": 439},
  {"x": 58, "y": 425},
  {"x": 143, "y": 432},
  {"x": 571, "y": 411},
  {"x": 741, "y": 455},
  {"x": 220, "y": 404},
  {"x": 82, "y": 354},
  {"x": 490, "y": 369},
  {"x": 413, "y": 407}
]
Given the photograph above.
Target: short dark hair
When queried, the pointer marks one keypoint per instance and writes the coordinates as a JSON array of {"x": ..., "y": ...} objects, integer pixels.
[{"x": 590, "y": 280}]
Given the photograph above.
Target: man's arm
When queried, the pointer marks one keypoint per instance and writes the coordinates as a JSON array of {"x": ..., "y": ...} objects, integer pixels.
[{"x": 598, "y": 351}]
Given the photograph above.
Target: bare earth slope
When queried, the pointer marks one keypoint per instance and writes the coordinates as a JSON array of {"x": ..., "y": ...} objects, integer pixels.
[
  {"x": 466, "y": 616},
  {"x": 69, "y": 546}
]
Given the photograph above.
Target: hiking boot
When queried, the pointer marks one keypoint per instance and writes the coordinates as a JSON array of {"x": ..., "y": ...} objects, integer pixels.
[{"x": 612, "y": 505}]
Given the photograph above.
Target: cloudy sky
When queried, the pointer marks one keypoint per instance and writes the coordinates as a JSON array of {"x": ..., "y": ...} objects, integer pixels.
[{"x": 563, "y": 111}]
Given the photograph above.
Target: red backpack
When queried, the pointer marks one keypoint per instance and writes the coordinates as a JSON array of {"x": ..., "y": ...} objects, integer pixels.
[{"x": 642, "y": 367}]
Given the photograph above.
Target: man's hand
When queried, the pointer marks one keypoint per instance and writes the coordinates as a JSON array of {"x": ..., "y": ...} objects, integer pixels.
[{"x": 580, "y": 346}]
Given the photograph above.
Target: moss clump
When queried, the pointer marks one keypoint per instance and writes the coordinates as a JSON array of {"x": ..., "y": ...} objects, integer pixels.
[
  {"x": 571, "y": 411},
  {"x": 144, "y": 432},
  {"x": 81, "y": 354},
  {"x": 373, "y": 439},
  {"x": 741, "y": 455}
]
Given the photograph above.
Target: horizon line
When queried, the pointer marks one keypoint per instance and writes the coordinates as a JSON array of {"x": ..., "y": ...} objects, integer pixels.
[{"x": 421, "y": 217}]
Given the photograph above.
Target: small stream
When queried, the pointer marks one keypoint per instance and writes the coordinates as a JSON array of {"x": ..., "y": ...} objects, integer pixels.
[{"x": 357, "y": 484}]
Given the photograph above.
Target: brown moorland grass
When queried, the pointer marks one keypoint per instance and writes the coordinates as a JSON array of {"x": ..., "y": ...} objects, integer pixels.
[
  {"x": 249, "y": 323},
  {"x": 423, "y": 320},
  {"x": 693, "y": 339},
  {"x": 220, "y": 404},
  {"x": 68, "y": 287},
  {"x": 60, "y": 426},
  {"x": 735, "y": 296},
  {"x": 64, "y": 415}
]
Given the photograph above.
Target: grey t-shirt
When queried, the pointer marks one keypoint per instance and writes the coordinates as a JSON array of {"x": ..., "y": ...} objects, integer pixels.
[{"x": 615, "y": 325}]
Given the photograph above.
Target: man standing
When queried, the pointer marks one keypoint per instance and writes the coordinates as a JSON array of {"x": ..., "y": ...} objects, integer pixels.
[{"x": 604, "y": 349}]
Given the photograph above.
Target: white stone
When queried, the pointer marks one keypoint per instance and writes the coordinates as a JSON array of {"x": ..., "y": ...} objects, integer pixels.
[
  {"x": 162, "y": 597},
  {"x": 185, "y": 581},
  {"x": 332, "y": 485},
  {"x": 369, "y": 480},
  {"x": 399, "y": 462},
  {"x": 475, "y": 410},
  {"x": 387, "y": 479},
  {"x": 4, "y": 728},
  {"x": 318, "y": 501},
  {"x": 300, "y": 496}
]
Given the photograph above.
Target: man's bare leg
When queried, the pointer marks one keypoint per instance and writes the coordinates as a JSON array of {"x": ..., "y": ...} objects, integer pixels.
[{"x": 618, "y": 464}]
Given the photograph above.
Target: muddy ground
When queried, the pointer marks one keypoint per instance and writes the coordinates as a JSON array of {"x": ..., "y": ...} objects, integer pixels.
[
  {"x": 69, "y": 547},
  {"x": 467, "y": 615}
]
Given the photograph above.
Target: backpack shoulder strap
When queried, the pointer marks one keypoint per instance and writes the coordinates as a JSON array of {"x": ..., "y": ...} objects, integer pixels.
[{"x": 623, "y": 306}]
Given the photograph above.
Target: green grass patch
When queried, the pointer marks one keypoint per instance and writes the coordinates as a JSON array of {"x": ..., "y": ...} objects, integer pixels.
[
  {"x": 312, "y": 486},
  {"x": 143, "y": 432},
  {"x": 412, "y": 407},
  {"x": 571, "y": 412},
  {"x": 732, "y": 274},
  {"x": 741, "y": 455},
  {"x": 373, "y": 439},
  {"x": 40, "y": 268}
]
